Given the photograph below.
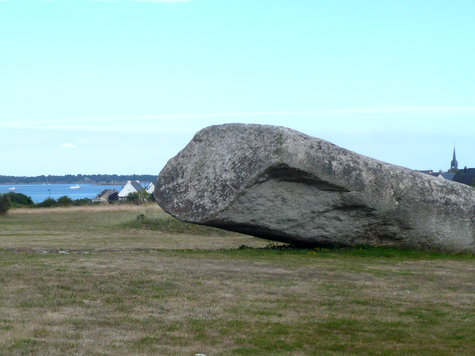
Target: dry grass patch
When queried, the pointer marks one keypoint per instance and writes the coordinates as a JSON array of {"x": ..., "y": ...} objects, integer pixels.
[
  {"x": 203, "y": 294},
  {"x": 234, "y": 303},
  {"x": 99, "y": 228},
  {"x": 98, "y": 208}
]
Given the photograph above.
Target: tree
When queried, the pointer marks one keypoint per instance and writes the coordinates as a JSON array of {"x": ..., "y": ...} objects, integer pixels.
[
  {"x": 65, "y": 201},
  {"x": 5, "y": 204},
  {"x": 19, "y": 199},
  {"x": 48, "y": 203},
  {"x": 138, "y": 197},
  {"x": 133, "y": 197}
]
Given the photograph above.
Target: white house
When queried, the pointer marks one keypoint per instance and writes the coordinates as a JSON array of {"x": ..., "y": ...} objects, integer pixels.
[{"x": 130, "y": 187}]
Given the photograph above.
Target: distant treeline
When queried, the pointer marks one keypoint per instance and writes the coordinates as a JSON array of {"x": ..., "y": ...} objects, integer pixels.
[{"x": 80, "y": 178}]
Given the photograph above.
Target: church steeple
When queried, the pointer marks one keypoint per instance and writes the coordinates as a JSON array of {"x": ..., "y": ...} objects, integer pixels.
[{"x": 454, "y": 164}]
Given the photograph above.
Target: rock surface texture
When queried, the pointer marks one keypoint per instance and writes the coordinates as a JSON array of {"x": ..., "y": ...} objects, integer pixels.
[{"x": 279, "y": 184}]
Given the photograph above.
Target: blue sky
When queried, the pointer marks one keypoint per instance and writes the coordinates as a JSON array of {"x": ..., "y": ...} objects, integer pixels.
[{"x": 119, "y": 87}]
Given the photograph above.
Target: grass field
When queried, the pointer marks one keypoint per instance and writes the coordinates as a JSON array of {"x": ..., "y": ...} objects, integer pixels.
[{"x": 131, "y": 281}]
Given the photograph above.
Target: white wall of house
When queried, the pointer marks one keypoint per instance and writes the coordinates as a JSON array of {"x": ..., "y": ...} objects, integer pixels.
[
  {"x": 150, "y": 188},
  {"x": 128, "y": 188}
]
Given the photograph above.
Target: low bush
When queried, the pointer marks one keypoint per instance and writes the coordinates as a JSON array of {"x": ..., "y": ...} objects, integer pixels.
[
  {"x": 5, "y": 204},
  {"x": 65, "y": 201},
  {"x": 47, "y": 203},
  {"x": 83, "y": 202}
]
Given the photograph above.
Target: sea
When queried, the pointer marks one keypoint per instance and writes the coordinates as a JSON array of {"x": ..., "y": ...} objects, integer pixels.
[{"x": 40, "y": 192}]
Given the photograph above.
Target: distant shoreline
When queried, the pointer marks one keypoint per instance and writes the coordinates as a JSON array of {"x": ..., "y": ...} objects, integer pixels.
[
  {"x": 97, "y": 179},
  {"x": 59, "y": 183}
]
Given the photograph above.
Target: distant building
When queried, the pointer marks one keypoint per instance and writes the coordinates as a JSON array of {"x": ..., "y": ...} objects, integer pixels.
[
  {"x": 454, "y": 164},
  {"x": 150, "y": 188},
  {"x": 427, "y": 171},
  {"x": 439, "y": 174},
  {"x": 465, "y": 176},
  {"x": 448, "y": 176},
  {"x": 130, "y": 188},
  {"x": 107, "y": 195}
]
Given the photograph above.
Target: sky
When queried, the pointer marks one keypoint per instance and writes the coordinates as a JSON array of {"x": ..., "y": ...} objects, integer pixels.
[{"x": 120, "y": 87}]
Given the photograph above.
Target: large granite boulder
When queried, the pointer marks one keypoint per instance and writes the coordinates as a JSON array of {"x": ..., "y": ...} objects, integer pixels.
[{"x": 279, "y": 184}]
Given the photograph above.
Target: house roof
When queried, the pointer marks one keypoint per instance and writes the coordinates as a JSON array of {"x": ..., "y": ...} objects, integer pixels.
[
  {"x": 465, "y": 176},
  {"x": 109, "y": 193},
  {"x": 138, "y": 187},
  {"x": 106, "y": 193},
  {"x": 448, "y": 176}
]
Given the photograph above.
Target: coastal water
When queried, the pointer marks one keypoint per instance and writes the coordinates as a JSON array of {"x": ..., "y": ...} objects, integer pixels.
[{"x": 40, "y": 192}]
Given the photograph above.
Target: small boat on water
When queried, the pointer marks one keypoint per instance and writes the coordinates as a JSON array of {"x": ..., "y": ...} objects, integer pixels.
[
  {"x": 75, "y": 187},
  {"x": 12, "y": 188}
]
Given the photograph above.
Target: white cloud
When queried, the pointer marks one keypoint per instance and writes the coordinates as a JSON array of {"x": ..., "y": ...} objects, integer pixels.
[
  {"x": 167, "y": 1},
  {"x": 67, "y": 145},
  {"x": 95, "y": 129},
  {"x": 107, "y": 129},
  {"x": 422, "y": 118},
  {"x": 451, "y": 110},
  {"x": 164, "y": 0}
]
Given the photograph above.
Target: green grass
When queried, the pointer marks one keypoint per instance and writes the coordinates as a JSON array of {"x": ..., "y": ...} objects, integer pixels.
[
  {"x": 147, "y": 294},
  {"x": 166, "y": 223}
]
